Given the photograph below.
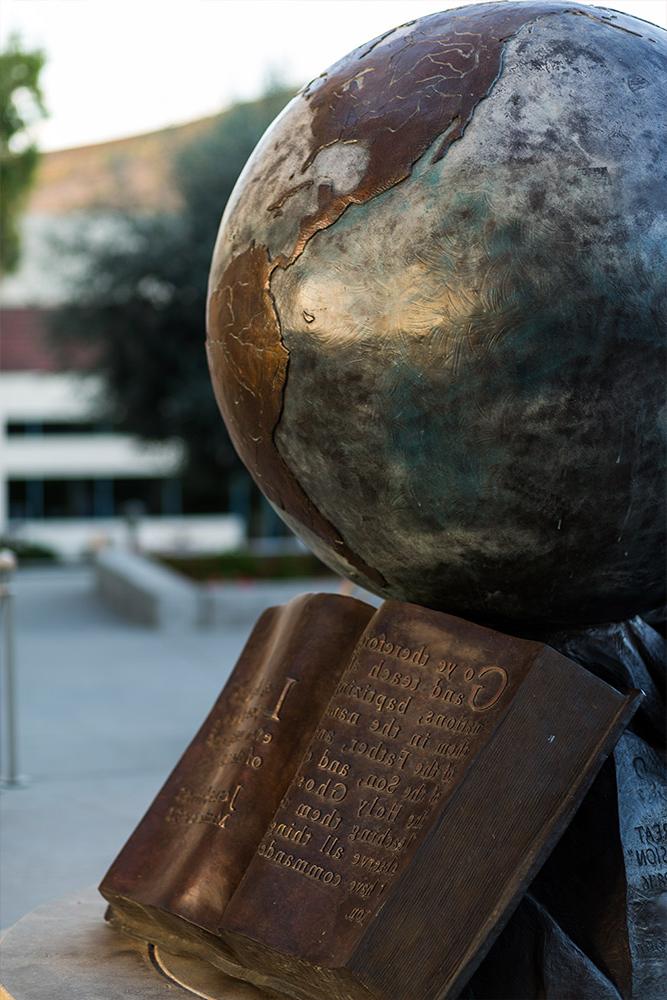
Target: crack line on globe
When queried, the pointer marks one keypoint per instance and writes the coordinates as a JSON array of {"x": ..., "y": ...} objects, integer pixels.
[{"x": 453, "y": 131}]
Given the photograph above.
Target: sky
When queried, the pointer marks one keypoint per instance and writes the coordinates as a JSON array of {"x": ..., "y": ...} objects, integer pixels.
[{"x": 122, "y": 67}]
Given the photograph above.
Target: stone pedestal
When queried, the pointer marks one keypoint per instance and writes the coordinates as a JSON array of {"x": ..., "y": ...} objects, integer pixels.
[{"x": 65, "y": 951}]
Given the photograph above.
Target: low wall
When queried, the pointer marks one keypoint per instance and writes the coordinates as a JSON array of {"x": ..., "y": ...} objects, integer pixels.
[
  {"x": 145, "y": 592},
  {"x": 151, "y": 594}
]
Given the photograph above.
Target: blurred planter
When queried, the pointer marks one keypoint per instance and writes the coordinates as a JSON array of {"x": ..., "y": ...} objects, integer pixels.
[
  {"x": 28, "y": 552},
  {"x": 246, "y": 566},
  {"x": 150, "y": 592}
]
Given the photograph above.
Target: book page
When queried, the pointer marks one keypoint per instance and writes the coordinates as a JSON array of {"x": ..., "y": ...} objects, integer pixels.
[
  {"x": 422, "y": 694},
  {"x": 190, "y": 850}
]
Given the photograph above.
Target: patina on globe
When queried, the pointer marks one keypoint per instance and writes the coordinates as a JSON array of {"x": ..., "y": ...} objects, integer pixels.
[{"x": 437, "y": 311}]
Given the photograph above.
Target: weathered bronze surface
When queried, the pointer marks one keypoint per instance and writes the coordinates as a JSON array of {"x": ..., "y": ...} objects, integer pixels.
[
  {"x": 247, "y": 354},
  {"x": 366, "y": 803},
  {"x": 446, "y": 766},
  {"x": 436, "y": 313}
]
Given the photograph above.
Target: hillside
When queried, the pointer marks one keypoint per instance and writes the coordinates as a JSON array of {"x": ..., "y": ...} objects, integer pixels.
[{"x": 133, "y": 172}]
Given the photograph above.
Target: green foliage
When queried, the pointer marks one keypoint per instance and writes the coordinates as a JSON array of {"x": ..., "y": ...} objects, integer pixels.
[
  {"x": 247, "y": 566},
  {"x": 27, "y": 551},
  {"x": 140, "y": 298},
  {"x": 21, "y": 103}
]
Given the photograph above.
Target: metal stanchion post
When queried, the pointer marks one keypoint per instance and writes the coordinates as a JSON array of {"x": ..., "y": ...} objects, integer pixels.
[{"x": 10, "y": 774}]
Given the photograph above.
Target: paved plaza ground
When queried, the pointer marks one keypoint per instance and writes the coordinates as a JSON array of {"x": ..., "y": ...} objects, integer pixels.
[{"x": 105, "y": 709}]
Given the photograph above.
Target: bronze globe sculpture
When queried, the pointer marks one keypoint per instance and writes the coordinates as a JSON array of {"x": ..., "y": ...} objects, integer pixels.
[{"x": 437, "y": 310}]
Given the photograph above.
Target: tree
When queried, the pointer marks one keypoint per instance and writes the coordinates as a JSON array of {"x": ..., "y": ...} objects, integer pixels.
[
  {"x": 139, "y": 302},
  {"x": 21, "y": 104}
]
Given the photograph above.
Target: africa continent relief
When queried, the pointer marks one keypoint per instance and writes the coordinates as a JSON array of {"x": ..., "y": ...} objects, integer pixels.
[{"x": 367, "y": 801}]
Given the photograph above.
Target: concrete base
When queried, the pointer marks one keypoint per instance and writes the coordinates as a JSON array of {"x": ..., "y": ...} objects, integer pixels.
[{"x": 65, "y": 951}]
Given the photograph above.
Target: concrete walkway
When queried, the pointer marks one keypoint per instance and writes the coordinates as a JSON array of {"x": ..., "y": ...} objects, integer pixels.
[{"x": 105, "y": 709}]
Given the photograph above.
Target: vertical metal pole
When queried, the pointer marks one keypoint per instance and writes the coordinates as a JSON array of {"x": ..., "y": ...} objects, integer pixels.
[{"x": 10, "y": 776}]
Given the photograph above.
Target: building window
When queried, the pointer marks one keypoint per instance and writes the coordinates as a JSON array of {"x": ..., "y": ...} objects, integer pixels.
[
  {"x": 25, "y": 498},
  {"x": 143, "y": 494},
  {"x": 35, "y": 499},
  {"x": 46, "y": 428}
]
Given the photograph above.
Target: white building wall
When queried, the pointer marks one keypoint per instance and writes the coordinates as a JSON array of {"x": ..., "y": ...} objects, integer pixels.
[
  {"x": 44, "y": 280},
  {"x": 73, "y": 537},
  {"x": 48, "y": 396},
  {"x": 75, "y": 456},
  {"x": 44, "y": 397}
]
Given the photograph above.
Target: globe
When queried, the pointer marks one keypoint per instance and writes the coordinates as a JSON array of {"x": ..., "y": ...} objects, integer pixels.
[{"x": 437, "y": 308}]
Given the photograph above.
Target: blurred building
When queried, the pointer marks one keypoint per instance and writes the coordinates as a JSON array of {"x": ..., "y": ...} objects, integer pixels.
[{"x": 67, "y": 480}]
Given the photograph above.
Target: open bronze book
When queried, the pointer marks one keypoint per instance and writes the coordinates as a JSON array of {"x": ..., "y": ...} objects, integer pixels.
[{"x": 366, "y": 802}]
